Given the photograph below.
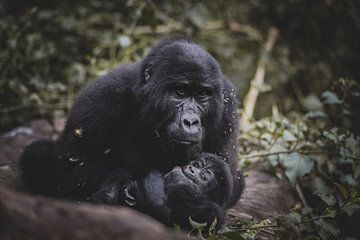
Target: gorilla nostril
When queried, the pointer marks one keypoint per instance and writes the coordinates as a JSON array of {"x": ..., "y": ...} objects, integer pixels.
[
  {"x": 191, "y": 122},
  {"x": 187, "y": 123},
  {"x": 195, "y": 122}
]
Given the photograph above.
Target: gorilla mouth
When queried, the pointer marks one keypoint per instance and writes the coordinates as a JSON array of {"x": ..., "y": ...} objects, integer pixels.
[{"x": 185, "y": 141}]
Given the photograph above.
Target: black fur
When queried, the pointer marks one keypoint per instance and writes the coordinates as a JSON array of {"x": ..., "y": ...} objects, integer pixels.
[
  {"x": 173, "y": 198},
  {"x": 202, "y": 203},
  {"x": 127, "y": 121}
]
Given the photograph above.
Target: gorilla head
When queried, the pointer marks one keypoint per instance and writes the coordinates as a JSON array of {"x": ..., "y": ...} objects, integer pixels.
[
  {"x": 181, "y": 94},
  {"x": 200, "y": 190}
]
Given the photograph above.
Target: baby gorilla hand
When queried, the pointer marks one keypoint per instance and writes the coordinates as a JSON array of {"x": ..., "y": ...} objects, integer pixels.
[{"x": 130, "y": 194}]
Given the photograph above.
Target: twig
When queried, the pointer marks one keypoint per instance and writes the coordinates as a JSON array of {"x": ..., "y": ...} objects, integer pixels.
[
  {"x": 326, "y": 215},
  {"x": 309, "y": 152},
  {"x": 301, "y": 195},
  {"x": 258, "y": 81},
  {"x": 256, "y": 227},
  {"x": 248, "y": 30},
  {"x": 137, "y": 16}
]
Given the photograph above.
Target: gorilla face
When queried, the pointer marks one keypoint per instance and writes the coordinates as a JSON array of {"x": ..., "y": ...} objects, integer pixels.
[
  {"x": 191, "y": 176},
  {"x": 183, "y": 92},
  {"x": 199, "y": 172},
  {"x": 207, "y": 175},
  {"x": 190, "y": 104}
]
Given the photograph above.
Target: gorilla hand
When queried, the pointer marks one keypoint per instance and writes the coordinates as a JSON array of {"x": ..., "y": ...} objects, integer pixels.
[{"x": 130, "y": 193}]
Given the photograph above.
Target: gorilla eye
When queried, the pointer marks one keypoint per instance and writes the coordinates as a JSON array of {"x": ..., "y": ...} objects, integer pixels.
[
  {"x": 196, "y": 164},
  {"x": 203, "y": 94},
  {"x": 180, "y": 91},
  {"x": 206, "y": 175},
  {"x": 203, "y": 176}
]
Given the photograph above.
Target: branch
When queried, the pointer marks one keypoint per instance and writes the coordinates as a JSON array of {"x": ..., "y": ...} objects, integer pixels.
[
  {"x": 258, "y": 81},
  {"x": 304, "y": 152}
]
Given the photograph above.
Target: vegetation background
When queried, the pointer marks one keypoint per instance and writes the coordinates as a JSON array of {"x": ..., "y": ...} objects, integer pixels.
[{"x": 305, "y": 123}]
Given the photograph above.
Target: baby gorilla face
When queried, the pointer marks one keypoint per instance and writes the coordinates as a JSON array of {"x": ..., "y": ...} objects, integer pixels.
[
  {"x": 199, "y": 172},
  {"x": 208, "y": 175},
  {"x": 199, "y": 190}
]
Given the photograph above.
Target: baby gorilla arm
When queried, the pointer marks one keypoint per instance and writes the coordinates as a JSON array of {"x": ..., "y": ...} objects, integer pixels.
[
  {"x": 146, "y": 195},
  {"x": 151, "y": 197},
  {"x": 114, "y": 189}
]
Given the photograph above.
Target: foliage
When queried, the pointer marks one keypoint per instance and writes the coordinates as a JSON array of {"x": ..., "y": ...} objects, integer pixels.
[
  {"x": 51, "y": 49},
  {"x": 321, "y": 161},
  {"x": 308, "y": 128}
]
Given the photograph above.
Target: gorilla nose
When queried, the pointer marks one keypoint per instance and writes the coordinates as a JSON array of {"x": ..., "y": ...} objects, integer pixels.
[
  {"x": 190, "y": 171},
  {"x": 191, "y": 123}
]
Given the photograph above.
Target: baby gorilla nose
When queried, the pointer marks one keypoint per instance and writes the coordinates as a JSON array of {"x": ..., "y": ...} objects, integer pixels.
[
  {"x": 190, "y": 171},
  {"x": 190, "y": 123}
]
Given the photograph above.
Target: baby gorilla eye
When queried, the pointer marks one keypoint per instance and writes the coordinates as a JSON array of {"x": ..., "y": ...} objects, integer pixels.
[
  {"x": 203, "y": 176},
  {"x": 206, "y": 175},
  {"x": 199, "y": 164},
  {"x": 196, "y": 164}
]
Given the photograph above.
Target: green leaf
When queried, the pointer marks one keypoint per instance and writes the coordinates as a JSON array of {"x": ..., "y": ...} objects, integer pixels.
[
  {"x": 212, "y": 230},
  {"x": 197, "y": 225},
  {"x": 296, "y": 166},
  {"x": 331, "y": 136},
  {"x": 351, "y": 208},
  {"x": 274, "y": 159},
  {"x": 343, "y": 191},
  {"x": 348, "y": 178},
  {"x": 330, "y": 212},
  {"x": 288, "y": 136},
  {"x": 327, "y": 230},
  {"x": 329, "y": 199},
  {"x": 318, "y": 185},
  {"x": 329, "y": 97},
  {"x": 315, "y": 114},
  {"x": 289, "y": 220}
]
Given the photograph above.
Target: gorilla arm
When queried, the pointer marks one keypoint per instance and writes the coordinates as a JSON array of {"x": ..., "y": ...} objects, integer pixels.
[
  {"x": 146, "y": 195},
  {"x": 229, "y": 145},
  {"x": 151, "y": 197}
]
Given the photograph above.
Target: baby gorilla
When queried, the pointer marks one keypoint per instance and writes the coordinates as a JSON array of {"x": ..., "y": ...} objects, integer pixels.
[{"x": 199, "y": 190}]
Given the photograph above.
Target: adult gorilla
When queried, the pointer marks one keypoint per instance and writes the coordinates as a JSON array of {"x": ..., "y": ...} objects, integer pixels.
[{"x": 154, "y": 114}]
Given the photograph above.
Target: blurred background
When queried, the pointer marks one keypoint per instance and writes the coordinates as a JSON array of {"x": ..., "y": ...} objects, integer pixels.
[
  {"x": 50, "y": 49},
  {"x": 303, "y": 113}
]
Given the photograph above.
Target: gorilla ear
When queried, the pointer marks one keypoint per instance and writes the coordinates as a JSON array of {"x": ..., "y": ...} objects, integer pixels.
[{"x": 147, "y": 72}]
